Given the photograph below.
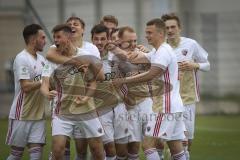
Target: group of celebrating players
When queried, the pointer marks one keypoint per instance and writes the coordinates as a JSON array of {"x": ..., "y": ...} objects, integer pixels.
[{"x": 112, "y": 96}]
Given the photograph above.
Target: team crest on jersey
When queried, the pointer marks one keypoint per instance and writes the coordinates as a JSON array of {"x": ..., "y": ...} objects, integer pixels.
[
  {"x": 184, "y": 52},
  {"x": 42, "y": 63}
]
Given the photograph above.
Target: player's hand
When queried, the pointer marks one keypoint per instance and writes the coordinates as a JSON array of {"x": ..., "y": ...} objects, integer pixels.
[
  {"x": 187, "y": 65},
  {"x": 142, "y": 48},
  {"x": 110, "y": 46},
  {"x": 131, "y": 55},
  {"x": 83, "y": 68},
  {"x": 52, "y": 94},
  {"x": 81, "y": 99}
]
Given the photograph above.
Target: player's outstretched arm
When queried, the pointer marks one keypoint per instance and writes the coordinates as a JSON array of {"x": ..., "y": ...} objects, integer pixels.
[
  {"x": 133, "y": 56},
  {"x": 154, "y": 72},
  {"x": 54, "y": 56}
]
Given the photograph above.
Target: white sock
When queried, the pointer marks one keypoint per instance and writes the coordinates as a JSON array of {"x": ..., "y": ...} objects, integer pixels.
[
  {"x": 67, "y": 154},
  {"x": 15, "y": 154},
  {"x": 179, "y": 156},
  {"x": 152, "y": 154},
  {"x": 35, "y": 153},
  {"x": 133, "y": 156},
  {"x": 111, "y": 158}
]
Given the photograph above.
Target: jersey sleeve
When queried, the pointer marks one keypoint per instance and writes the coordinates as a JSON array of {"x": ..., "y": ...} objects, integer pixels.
[
  {"x": 94, "y": 51},
  {"x": 22, "y": 68},
  {"x": 161, "y": 58},
  {"x": 200, "y": 56},
  {"x": 47, "y": 69}
]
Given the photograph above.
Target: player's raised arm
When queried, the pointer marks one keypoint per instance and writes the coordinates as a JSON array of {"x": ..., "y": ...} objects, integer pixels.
[{"x": 54, "y": 56}]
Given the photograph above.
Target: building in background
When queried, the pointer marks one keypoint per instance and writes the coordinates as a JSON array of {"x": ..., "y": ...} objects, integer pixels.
[{"x": 213, "y": 23}]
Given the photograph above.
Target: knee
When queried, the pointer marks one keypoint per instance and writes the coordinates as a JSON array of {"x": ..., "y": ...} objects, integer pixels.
[
  {"x": 58, "y": 152},
  {"x": 110, "y": 149}
]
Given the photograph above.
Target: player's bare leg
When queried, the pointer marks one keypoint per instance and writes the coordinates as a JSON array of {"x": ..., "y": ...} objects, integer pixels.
[
  {"x": 96, "y": 148},
  {"x": 121, "y": 150},
  {"x": 81, "y": 148},
  {"x": 110, "y": 151},
  {"x": 58, "y": 147},
  {"x": 176, "y": 149},
  {"x": 149, "y": 148}
]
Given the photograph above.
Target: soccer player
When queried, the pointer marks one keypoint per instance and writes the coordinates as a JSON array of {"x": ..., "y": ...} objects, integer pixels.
[
  {"x": 68, "y": 111},
  {"x": 26, "y": 118},
  {"x": 168, "y": 124},
  {"x": 191, "y": 58},
  {"x": 137, "y": 106},
  {"x": 77, "y": 25},
  {"x": 113, "y": 129}
]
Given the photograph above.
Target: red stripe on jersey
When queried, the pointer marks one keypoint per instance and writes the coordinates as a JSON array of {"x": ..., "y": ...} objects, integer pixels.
[
  {"x": 19, "y": 105},
  {"x": 157, "y": 125},
  {"x": 197, "y": 85},
  {"x": 9, "y": 131},
  {"x": 124, "y": 89},
  {"x": 167, "y": 91}
]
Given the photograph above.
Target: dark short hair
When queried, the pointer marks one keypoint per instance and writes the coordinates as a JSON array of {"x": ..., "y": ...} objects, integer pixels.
[
  {"x": 78, "y": 19},
  {"x": 160, "y": 25},
  {"x": 62, "y": 27},
  {"x": 110, "y": 18},
  {"x": 30, "y": 30},
  {"x": 171, "y": 16},
  {"x": 99, "y": 28},
  {"x": 124, "y": 29}
]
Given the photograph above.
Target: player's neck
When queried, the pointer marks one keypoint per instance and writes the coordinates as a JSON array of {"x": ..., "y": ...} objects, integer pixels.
[
  {"x": 32, "y": 51},
  {"x": 174, "y": 42},
  {"x": 78, "y": 42},
  {"x": 158, "y": 44},
  {"x": 72, "y": 50}
]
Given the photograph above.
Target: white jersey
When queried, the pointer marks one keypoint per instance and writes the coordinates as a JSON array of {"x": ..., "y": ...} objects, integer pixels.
[
  {"x": 91, "y": 48},
  {"x": 27, "y": 106},
  {"x": 189, "y": 50},
  {"x": 165, "y": 58}
]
